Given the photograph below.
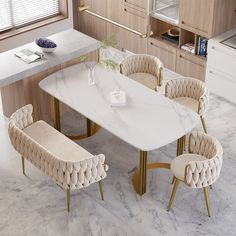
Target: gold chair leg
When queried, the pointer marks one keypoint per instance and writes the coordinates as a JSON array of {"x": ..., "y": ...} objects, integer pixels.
[
  {"x": 207, "y": 200},
  {"x": 68, "y": 199},
  {"x": 176, "y": 184},
  {"x": 23, "y": 165},
  {"x": 173, "y": 180},
  {"x": 204, "y": 124},
  {"x": 101, "y": 189},
  {"x": 89, "y": 127}
]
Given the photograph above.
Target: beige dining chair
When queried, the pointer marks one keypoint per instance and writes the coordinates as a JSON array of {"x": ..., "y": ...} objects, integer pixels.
[
  {"x": 200, "y": 167},
  {"x": 143, "y": 68}
]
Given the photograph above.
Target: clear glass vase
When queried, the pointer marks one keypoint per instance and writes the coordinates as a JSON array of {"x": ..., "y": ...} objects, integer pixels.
[{"x": 91, "y": 72}]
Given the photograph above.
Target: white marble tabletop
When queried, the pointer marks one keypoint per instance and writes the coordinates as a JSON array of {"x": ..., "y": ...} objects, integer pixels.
[
  {"x": 70, "y": 44},
  {"x": 147, "y": 122}
]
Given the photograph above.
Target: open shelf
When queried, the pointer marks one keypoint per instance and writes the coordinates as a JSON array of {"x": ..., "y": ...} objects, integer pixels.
[{"x": 160, "y": 28}]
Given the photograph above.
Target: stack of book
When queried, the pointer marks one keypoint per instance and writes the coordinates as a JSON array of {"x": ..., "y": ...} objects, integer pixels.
[
  {"x": 202, "y": 46},
  {"x": 188, "y": 47}
]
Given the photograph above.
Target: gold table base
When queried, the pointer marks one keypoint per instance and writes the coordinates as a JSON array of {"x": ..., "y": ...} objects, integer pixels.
[
  {"x": 92, "y": 128},
  {"x": 140, "y": 176}
]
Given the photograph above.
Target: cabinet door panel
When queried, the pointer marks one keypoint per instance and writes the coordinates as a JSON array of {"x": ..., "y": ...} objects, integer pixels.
[
  {"x": 190, "y": 66},
  {"x": 134, "y": 19},
  {"x": 97, "y": 6},
  {"x": 165, "y": 53},
  {"x": 128, "y": 40},
  {"x": 92, "y": 26},
  {"x": 114, "y": 10},
  {"x": 141, "y": 4},
  {"x": 197, "y": 16}
]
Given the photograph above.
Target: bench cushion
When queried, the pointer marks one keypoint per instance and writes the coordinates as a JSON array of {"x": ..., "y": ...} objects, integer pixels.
[{"x": 56, "y": 143}]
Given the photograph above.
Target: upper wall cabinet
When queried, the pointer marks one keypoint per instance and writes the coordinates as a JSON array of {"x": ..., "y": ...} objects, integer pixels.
[
  {"x": 207, "y": 17},
  {"x": 197, "y": 16}
]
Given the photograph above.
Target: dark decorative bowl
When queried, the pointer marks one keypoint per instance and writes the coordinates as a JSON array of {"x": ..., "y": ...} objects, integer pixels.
[{"x": 46, "y": 45}]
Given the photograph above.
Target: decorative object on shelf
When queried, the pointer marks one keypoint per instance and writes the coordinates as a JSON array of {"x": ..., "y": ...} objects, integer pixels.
[
  {"x": 173, "y": 32},
  {"x": 199, "y": 168},
  {"x": 46, "y": 45},
  {"x": 118, "y": 97},
  {"x": 202, "y": 46},
  {"x": 29, "y": 56},
  {"x": 189, "y": 47},
  {"x": 173, "y": 39}
]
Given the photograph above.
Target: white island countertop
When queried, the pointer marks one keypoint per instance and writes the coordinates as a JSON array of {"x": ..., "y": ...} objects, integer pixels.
[
  {"x": 147, "y": 122},
  {"x": 70, "y": 44}
]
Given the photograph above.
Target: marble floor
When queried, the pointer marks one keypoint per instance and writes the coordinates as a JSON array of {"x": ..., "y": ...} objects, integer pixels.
[{"x": 34, "y": 205}]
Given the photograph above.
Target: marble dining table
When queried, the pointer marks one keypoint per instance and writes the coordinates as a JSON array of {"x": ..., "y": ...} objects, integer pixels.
[{"x": 148, "y": 121}]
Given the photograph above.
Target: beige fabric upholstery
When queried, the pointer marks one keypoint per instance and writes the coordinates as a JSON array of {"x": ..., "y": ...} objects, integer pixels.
[
  {"x": 179, "y": 164},
  {"x": 142, "y": 67},
  {"x": 68, "y": 164},
  {"x": 146, "y": 79},
  {"x": 202, "y": 166},
  {"x": 188, "y": 102},
  {"x": 189, "y": 88}
]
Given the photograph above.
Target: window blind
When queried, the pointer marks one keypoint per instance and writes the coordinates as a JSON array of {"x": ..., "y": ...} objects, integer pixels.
[{"x": 16, "y": 13}]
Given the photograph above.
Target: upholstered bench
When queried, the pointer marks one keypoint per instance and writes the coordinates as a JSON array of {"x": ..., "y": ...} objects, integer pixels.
[{"x": 67, "y": 163}]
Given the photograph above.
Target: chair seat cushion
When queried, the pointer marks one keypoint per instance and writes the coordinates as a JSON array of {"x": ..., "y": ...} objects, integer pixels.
[
  {"x": 56, "y": 143},
  {"x": 188, "y": 102},
  {"x": 178, "y": 165},
  {"x": 146, "y": 79}
]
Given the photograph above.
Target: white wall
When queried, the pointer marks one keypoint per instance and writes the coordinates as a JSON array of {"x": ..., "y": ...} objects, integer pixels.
[{"x": 44, "y": 31}]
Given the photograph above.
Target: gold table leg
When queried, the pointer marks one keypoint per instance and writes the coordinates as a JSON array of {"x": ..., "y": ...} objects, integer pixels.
[
  {"x": 92, "y": 128},
  {"x": 140, "y": 176}
]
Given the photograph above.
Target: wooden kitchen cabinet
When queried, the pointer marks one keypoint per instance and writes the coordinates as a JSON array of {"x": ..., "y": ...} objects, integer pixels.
[
  {"x": 114, "y": 10},
  {"x": 97, "y": 6},
  {"x": 166, "y": 53},
  {"x": 207, "y": 17},
  {"x": 141, "y": 5},
  {"x": 134, "y": 19},
  {"x": 92, "y": 26},
  {"x": 127, "y": 40},
  {"x": 190, "y": 65},
  {"x": 197, "y": 16}
]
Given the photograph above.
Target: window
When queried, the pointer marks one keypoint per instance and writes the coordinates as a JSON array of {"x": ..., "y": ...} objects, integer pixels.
[{"x": 18, "y": 13}]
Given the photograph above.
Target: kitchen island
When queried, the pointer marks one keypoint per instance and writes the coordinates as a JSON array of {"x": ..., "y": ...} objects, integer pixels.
[{"x": 19, "y": 80}]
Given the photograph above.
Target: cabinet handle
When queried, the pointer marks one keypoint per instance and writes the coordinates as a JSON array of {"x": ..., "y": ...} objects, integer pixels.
[
  {"x": 183, "y": 22},
  {"x": 180, "y": 56},
  {"x": 125, "y": 9},
  {"x": 210, "y": 71}
]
